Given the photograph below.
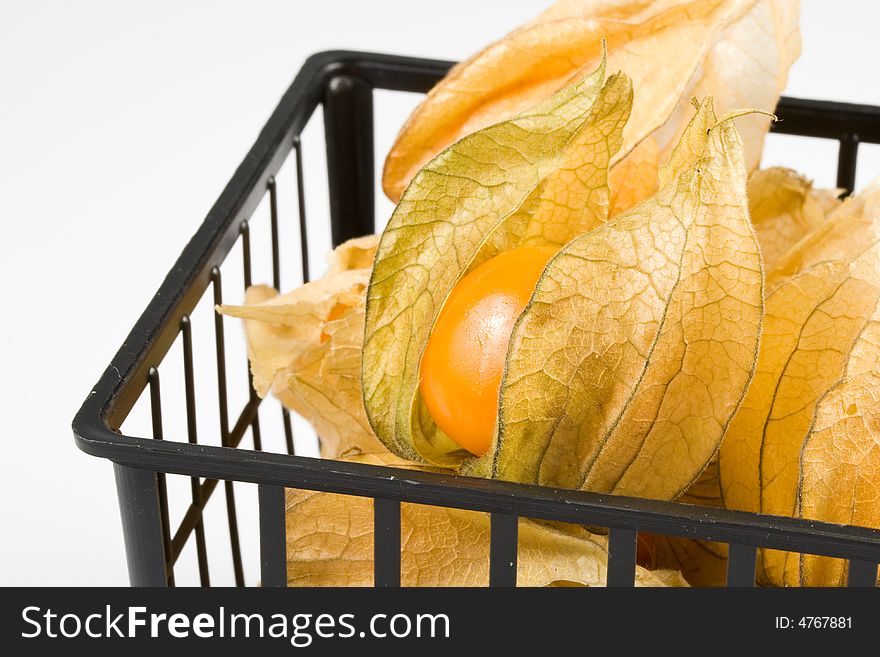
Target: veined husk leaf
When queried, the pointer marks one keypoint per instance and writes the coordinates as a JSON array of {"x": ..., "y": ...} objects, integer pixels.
[
  {"x": 785, "y": 208},
  {"x": 746, "y": 67},
  {"x": 805, "y": 427},
  {"x": 641, "y": 338},
  {"x": 849, "y": 227},
  {"x": 634, "y": 178},
  {"x": 738, "y": 51},
  {"x": 840, "y": 460},
  {"x": 540, "y": 178},
  {"x": 304, "y": 347},
  {"x": 330, "y": 543}
]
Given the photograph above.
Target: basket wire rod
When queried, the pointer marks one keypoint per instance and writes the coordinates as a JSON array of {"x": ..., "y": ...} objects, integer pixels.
[
  {"x": 847, "y": 157},
  {"x": 220, "y": 344},
  {"x": 273, "y": 536},
  {"x": 276, "y": 283},
  {"x": 288, "y": 431},
  {"x": 192, "y": 517},
  {"x": 192, "y": 435},
  {"x": 301, "y": 207},
  {"x": 861, "y": 574},
  {"x": 304, "y": 260},
  {"x": 741, "y": 560},
  {"x": 503, "y": 537},
  {"x": 156, "y": 417},
  {"x": 248, "y": 281},
  {"x": 273, "y": 219},
  {"x": 245, "y": 231},
  {"x": 386, "y": 542},
  {"x": 621, "y": 557}
]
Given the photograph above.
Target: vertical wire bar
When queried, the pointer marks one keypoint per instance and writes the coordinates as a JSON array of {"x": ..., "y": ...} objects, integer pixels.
[
  {"x": 741, "y": 561},
  {"x": 220, "y": 343},
  {"x": 304, "y": 258},
  {"x": 861, "y": 574},
  {"x": 245, "y": 231},
  {"x": 386, "y": 543},
  {"x": 255, "y": 425},
  {"x": 246, "y": 259},
  {"x": 158, "y": 434},
  {"x": 273, "y": 216},
  {"x": 621, "y": 557},
  {"x": 273, "y": 536},
  {"x": 288, "y": 431},
  {"x": 192, "y": 435},
  {"x": 276, "y": 282},
  {"x": 301, "y": 206},
  {"x": 276, "y": 277},
  {"x": 846, "y": 162},
  {"x": 503, "y": 537}
]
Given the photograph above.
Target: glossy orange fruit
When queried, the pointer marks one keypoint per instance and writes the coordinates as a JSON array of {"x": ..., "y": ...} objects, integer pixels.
[{"x": 464, "y": 358}]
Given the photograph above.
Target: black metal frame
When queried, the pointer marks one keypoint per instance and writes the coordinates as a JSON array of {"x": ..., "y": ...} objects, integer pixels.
[{"x": 343, "y": 82}]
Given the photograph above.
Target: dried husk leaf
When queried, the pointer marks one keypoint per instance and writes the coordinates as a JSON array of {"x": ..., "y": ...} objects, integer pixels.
[
  {"x": 330, "y": 543},
  {"x": 785, "y": 208},
  {"x": 848, "y": 229},
  {"x": 635, "y": 178},
  {"x": 356, "y": 253},
  {"x": 305, "y": 347},
  {"x": 746, "y": 67},
  {"x": 540, "y": 178},
  {"x": 840, "y": 460},
  {"x": 672, "y": 50},
  {"x": 636, "y": 348},
  {"x": 815, "y": 330}
]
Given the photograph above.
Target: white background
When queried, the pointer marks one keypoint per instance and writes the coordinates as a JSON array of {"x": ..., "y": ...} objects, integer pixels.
[{"x": 120, "y": 123}]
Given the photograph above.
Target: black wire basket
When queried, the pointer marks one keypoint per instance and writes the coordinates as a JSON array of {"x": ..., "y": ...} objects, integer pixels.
[{"x": 343, "y": 83}]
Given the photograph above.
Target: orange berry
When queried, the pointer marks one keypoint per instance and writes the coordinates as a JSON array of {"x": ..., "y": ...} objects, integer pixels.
[{"x": 464, "y": 359}]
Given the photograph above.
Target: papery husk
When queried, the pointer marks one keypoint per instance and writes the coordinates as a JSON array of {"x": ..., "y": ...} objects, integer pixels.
[
  {"x": 330, "y": 543},
  {"x": 537, "y": 179},
  {"x": 785, "y": 208},
  {"x": 641, "y": 338},
  {"x": 739, "y": 52},
  {"x": 304, "y": 347},
  {"x": 803, "y": 443}
]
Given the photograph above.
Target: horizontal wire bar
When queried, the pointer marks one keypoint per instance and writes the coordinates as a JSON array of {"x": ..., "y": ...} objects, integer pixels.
[{"x": 477, "y": 494}]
